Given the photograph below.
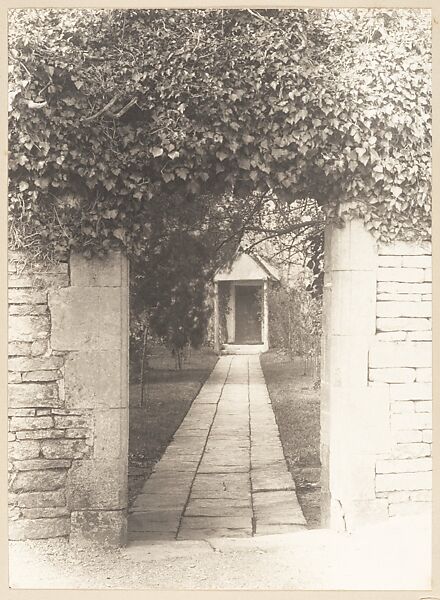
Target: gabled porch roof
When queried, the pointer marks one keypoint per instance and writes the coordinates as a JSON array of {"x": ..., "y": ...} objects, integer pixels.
[{"x": 247, "y": 267}]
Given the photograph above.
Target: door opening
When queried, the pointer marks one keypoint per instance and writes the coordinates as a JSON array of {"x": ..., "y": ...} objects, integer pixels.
[{"x": 248, "y": 310}]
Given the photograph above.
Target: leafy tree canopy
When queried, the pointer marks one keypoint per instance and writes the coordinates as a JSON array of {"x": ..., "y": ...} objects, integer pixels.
[{"x": 112, "y": 111}]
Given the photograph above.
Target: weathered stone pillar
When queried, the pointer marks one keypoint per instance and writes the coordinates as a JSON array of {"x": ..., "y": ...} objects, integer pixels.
[
  {"x": 216, "y": 320},
  {"x": 90, "y": 323},
  {"x": 354, "y": 416}
]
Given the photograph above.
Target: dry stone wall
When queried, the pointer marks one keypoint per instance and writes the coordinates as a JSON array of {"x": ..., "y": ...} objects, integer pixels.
[
  {"x": 67, "y": 398},
  {"x": 400, "y": 364}
]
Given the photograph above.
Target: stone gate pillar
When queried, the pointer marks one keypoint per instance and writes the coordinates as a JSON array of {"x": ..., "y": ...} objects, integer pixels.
[
  {"x": 354, "y": 416},
  {"x": 90, "y": 324}
]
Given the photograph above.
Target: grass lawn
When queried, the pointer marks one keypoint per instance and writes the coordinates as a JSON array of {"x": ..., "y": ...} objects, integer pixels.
[
  {"x": 297, "y": 411},
  {"x": 169, "y": 396}
]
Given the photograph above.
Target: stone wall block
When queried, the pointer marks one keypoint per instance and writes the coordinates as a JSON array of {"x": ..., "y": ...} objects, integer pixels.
[
  {"x": 402, "y": 324},
  {"x": 41, "y": 463},
  {"x": 391, "y": 336},
  {"x": 24, "y": 423},
  {"x": 28, "y": 309},
  {"x": 97, "y": 485},
  {"x": 110, "y": 318},
  {"x": 86, "y": 318},
  {"x": 350, "y": 248},
  {"x": 354, "y": 478},
  {"x": 45, "y": 513},
  {"x": 405, "y": 248},
  {"x": 33, "y": 529},
  {"x": 35, "y": 363},
  {"x": 403, "y": 407},
  {"x": 19, "y": 348},
  {"x": 423, "y": 406},
  {"x": 55, "y": 268},
  {"x": 35, "y": 376},
  {"x": 99, "y": 272},
  {"x": 412, "y": 450},
  {"x": 352, "y": 306},
  {"x": 108, "y": 528},
  {"x": 402, "y": 275},
  {"x": 25, "y": 296},
  {"x": 22, "y": 412},
  {"x": 41, "y": 499},
  {"x": 411, "y": 391},
  {"x": 395, "y": 287},
  {"x": 427, "y": 436},
  {"x": 421, "y": 496},
  {"x": 363, "y": 512},
  {"x": 110, "y": 435},
  {"x": 93, "y": 379},
  {"x": 39, "y": 347},
  {"x": 74, "y": 449},
  {"x": 23, "y": 450},
  {"x": 400, "y": 354},
  {"x": 408, "y": 436},
  {"x": 390, "y": 261},
  {"x": 14, "y": 377},
  {"x": 36, "y": 481},
  {"x": 404, "y": 481},
  {"x": 409, "y": 508},
  {"x": 392, "y": 375},
  {"x": 407, "y": 465},
  {"x": 51, "y": 280},
  {"x": 424, "y": 375},
  {"x": 420, "y": 261},
  {"x": 419, "y": 336},
  {"x": 387, "y": 297},
  {"x": 404, "y": 309},
  {"x": 69, "y": 421},
  {"x": 411, "y": 421},
  {"x": 27, "y": 328},
  {"x": 354, "y": 369},
  {"x": 74, "y": 319},
  {"x": 41, "y": 434}
]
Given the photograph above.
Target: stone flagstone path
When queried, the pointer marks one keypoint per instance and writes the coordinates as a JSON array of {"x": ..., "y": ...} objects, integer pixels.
[{"x": 224, "y": 473}]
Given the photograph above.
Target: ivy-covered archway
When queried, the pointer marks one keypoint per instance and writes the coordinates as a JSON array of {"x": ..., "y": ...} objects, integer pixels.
[{"x": 124, "y": 124}]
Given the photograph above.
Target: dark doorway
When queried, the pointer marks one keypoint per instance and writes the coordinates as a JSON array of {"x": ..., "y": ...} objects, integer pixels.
[{"x": 247, "y": 314}]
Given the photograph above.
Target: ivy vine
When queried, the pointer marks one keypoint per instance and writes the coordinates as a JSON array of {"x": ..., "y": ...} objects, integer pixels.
[{"x": 113, "y": 111}]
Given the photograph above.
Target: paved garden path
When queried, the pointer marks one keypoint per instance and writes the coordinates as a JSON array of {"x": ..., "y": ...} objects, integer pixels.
[{"x": 224, "y": 473}]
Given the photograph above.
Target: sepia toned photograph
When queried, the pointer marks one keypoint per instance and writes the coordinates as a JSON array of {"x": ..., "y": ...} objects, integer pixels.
[{"x": 220, "y": 299}]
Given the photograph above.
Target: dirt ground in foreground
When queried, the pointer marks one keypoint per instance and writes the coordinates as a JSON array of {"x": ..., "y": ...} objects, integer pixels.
[{"x": 393, "y": 555}]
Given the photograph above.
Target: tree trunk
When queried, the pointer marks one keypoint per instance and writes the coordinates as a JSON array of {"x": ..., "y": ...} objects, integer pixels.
[{"x": 143, "y": 361}]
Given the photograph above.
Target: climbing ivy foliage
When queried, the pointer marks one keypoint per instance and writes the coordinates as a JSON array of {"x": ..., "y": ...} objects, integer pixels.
[{"x": 112, "y": 111}]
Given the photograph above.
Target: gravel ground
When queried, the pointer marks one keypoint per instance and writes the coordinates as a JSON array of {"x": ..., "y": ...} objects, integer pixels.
[{"x": 391, "y": 556}]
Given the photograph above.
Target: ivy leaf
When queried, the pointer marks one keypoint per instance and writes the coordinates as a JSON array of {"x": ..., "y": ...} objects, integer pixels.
[
  {"x": 119, "y": 233},
  {"x": 221, "y": 155},
  {"x": 244, "y": 163},
  {"x": 110, "y": 214},
  {"x": 168, "y": 176},
  {"x": 156, "y": 152},
  {"x": 182, "y": 173}
]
